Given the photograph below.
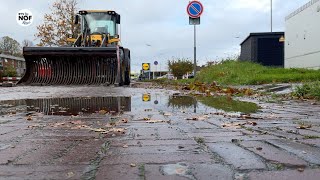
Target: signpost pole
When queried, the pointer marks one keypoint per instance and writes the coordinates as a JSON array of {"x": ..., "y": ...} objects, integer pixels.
[
  {"x": 194, "y": 10},
  {"x": 195, "y": 52}
]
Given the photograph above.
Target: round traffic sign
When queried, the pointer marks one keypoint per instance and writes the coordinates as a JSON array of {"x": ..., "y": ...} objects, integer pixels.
[
  {"x": 195, "y": 9},
  {"x": 156, "y": 63},
  {"x": 146, "y": 66}
]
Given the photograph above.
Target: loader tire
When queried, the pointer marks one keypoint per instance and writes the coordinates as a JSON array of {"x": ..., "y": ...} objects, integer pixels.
[{"x": 127, "y": 77}]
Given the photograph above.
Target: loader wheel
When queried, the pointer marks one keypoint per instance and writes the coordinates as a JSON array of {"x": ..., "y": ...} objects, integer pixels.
[{"x": 127, "y": 77}]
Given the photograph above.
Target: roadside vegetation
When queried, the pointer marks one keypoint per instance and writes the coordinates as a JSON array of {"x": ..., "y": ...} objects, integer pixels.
[
  {"x": 309, "y": 90},
  {"x": 180, "y": 67},
  {"x": 247, "y": 73},
  {"x": 9, "y": 71}
]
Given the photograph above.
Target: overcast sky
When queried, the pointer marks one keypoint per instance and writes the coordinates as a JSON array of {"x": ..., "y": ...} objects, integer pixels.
[{"x": 159, "y": 29}]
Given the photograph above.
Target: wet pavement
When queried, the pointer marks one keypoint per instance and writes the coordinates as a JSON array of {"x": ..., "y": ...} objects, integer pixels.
[{"x": 143, "y": 133}]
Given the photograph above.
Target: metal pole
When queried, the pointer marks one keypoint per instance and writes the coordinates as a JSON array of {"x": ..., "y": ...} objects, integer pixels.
[
  {"x": 195, "y": 52},
  {"x": 271, "y": 14}
]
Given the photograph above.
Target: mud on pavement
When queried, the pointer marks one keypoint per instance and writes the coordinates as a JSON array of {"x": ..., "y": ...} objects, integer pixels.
[{"x": 135, "y": 133}]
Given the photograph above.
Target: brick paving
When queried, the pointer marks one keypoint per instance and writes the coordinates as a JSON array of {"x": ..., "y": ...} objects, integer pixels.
[{"x": 163, "y": 146}]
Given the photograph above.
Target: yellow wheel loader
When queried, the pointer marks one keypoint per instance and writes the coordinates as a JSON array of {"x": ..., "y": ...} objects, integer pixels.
[{"x": 94, "y": 58}]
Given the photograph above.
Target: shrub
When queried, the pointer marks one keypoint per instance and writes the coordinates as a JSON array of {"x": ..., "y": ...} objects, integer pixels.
[{"x": 180, "y": 67}]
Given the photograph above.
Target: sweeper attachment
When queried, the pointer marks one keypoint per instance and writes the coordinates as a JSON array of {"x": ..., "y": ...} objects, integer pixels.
[{"x": 95, "y": 56}]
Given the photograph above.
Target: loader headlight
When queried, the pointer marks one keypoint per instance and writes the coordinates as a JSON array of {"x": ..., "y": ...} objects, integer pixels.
[{"x": 116, "y": 36}]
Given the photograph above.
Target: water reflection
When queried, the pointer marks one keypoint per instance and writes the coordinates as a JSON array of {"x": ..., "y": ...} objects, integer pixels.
[
  {"x": 182, "y": 102},
  {"x": 73, "y": 106}
]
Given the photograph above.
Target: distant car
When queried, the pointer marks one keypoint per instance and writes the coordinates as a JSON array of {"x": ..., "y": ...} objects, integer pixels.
[
  {"x": 167, "y": 76},
  {"x": 134, "y": 77},
  {"x": 190, "y": 76},
  {"x": 141, "y": 77}
]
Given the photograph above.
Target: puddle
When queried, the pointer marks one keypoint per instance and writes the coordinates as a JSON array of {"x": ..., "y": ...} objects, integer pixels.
[
  {"x": 136, "y": 103},
  {"x": 180, "y": 169},
  {"x": 69, "y": 106},
  {"x": 229, "y": 105}
]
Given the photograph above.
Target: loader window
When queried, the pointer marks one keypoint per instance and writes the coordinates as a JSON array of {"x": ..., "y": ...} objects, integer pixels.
[{"x": 101, "y": 22}]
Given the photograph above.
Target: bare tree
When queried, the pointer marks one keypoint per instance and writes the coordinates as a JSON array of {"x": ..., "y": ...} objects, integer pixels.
[
  {"x": 10, "y": 46},
  {"x": 58, "y": 24},
  {"x": 27, "y": 43}
]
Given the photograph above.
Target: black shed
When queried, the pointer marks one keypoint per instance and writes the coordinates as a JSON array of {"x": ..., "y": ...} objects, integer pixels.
[{"x": 264, "y": 48}]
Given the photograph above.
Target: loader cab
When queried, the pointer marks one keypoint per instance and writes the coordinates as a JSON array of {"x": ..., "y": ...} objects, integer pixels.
[{"x": 99, "y": 25}]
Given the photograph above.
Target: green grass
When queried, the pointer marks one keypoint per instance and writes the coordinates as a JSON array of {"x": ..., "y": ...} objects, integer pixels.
[
  {"x": 229, "y": 105},
  {"x": 308, "y": 90},
  {"x": 310, "y": 137},
  {"x": 248, "y": 73}
]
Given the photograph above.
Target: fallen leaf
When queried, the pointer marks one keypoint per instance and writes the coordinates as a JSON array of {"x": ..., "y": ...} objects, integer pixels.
[
  {"x": 304, "y": 127},
  {"x": 252, "y": 123},
  {"x": 102, "y": 112},
  {"x": 156, "y": 121},
  {"x": 70, "y": 174},
  {"x": 124, "y": 120},
  {"x": 29, "y": 118}
]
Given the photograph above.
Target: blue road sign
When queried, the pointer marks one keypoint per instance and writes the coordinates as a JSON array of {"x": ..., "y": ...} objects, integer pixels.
[
  {"x": 156, "y": 63},
  {"x": 195, "y": 9}
]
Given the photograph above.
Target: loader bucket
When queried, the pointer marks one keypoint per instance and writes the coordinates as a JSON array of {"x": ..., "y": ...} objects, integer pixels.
[{"x": 70, "y": 65}]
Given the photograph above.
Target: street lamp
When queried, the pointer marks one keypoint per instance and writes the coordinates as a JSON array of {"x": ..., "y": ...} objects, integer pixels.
[{"x": 271, "y": 13}]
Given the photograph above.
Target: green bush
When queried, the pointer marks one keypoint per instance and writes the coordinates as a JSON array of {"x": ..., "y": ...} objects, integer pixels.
[
  {"x": 9, "y": 71},
  {"x": 180, "y": 67}
]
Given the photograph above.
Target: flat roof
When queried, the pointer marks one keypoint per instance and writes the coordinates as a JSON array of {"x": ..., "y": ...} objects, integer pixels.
[
  {"x": 262, "y": 34},
  {"x": 302, "y": 8},
  {"x": 11, "y": 57}
]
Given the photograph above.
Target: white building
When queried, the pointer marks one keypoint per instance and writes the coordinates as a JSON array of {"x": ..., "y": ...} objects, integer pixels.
[{"x": 302, "y": 49}]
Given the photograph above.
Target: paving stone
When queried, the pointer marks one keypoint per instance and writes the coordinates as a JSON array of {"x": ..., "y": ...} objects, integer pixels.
[
  {"x": 12, "y": 172},
  {"x": 10, "y": 154},
  {"x": 123, "y": 171},
  {"x": 308, "y": 153},
  {"x": 153, "y": 142},
  {"x": 153, "y": 172},
  {"x": 145, "y": 133},
  {"x": 83, "y": 153},
  {"x": 202, "y": 125},
  {"x": 309, "y": 174},
  {"x": 240, "y": 138},
  {"x": 157, "y": 149},
  {"x": 156, "y": 158},
  {"x": 303, "y": 132},
  {"x": 13, "y": 135},
  {"x": 237, "y": 156},
  {"x": 216, "y": 134},
  {"x": 282, "y": 134},
  {"x": 170, "y": 133},
  {"x": 211, "y": 171},
  {"x": 273, "y": 154},
  {"x": 314, "y": 142},
  {"x": 46, "y": 153}
]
